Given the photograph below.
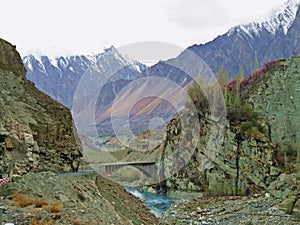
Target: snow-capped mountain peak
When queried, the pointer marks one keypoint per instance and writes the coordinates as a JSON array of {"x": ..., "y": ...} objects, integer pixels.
[
  {"x": 56, "y": 75},
  {"x": 118, "y": 56},
  {"x": 280, "y": 20}
]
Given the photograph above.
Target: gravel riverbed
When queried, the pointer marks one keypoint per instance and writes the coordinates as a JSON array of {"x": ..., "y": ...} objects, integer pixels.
[{"x": 259, "y": 209}]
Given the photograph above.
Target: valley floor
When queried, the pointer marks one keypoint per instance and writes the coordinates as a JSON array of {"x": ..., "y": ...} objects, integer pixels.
[
  {"x": 45, "y": 199},
  {"x": 259, "y": 209}
]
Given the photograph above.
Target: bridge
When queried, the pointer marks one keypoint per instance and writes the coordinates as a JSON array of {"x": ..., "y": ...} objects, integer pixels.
[{"x": 147, "y": 168}]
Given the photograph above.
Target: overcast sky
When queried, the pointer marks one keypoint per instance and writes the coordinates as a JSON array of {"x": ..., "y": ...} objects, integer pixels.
[{"x": 72, "y": 26}]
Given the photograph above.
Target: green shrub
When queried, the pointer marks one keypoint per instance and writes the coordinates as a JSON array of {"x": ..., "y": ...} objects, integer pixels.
[{"x": 246, "y": 126}]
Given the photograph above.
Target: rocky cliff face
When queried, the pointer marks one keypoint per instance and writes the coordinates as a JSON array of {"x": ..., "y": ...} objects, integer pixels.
[
  {"x": 243, "y": 164},
  {"x": 238, "y": 167},
  {"x": 36, "y": 132},
  {"x": 278, "y": 101}
]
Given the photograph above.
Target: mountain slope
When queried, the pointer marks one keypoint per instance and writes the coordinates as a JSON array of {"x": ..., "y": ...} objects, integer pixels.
[
  {"x": 82, "y": 199},
  {"x": 264, "y": 41},
  {"x": 36, "y": 132}
]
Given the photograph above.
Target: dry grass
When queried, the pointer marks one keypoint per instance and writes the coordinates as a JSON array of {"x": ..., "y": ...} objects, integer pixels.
[
  {"x": 35, "y": 221},
  {"x": 39, "y": 203},
  {"x": 55, "y": 208},
  {"x": 22, "y": 200}
]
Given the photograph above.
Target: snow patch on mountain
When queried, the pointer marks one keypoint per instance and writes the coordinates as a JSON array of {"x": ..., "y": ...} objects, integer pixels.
[
  {"x": 62, "y": 63},
  {"x": 78, "y": 64},
  {"x": 27, "y": 61},
  {"x": 53, "y": 61},
  {"x": 280, "y": 20},
  {"x": 59, "y": 76}
]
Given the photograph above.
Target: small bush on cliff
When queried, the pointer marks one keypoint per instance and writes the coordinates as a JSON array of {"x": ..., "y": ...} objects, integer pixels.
[
  {"x": 239, "y": 113},
  {"x": 248, "y": 121},
  {"x": 247, "y": 126},
  {"x": 198, "y": 96}
]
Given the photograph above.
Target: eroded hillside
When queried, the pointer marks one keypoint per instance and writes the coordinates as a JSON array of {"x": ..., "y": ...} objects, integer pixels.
[
  {"x": 36, "y": 132},
  {"x": 256, "y": 150}
]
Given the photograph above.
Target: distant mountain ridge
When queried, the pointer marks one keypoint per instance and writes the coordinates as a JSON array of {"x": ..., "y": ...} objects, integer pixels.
[
  {"x": 59, "y": 77},
  {"x": 244, "y": 45},
  {"x": 243, "y": 48},
  {"x": 280, "y": 21}
]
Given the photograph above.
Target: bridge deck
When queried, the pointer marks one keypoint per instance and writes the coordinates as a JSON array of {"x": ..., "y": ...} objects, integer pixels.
[
  {"x": 128, "y": 163},
  {"x": 146, "y": 167}
]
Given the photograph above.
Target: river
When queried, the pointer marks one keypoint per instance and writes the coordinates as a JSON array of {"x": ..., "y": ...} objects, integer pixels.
[{"x": 158, "y": 204}]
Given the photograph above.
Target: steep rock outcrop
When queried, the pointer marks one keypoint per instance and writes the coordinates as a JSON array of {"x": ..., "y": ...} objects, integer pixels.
[
  {"x": 278, "y": 100},
  {"x": 237, "y": 167},
  {"x": 36, "y": 132},
  {"x": 244, "y": 163}
]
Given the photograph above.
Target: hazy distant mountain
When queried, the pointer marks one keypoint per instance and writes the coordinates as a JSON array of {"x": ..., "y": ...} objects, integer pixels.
[
  {"x": 248, "y": 45},
  {"x": 59, "y": 77}
]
